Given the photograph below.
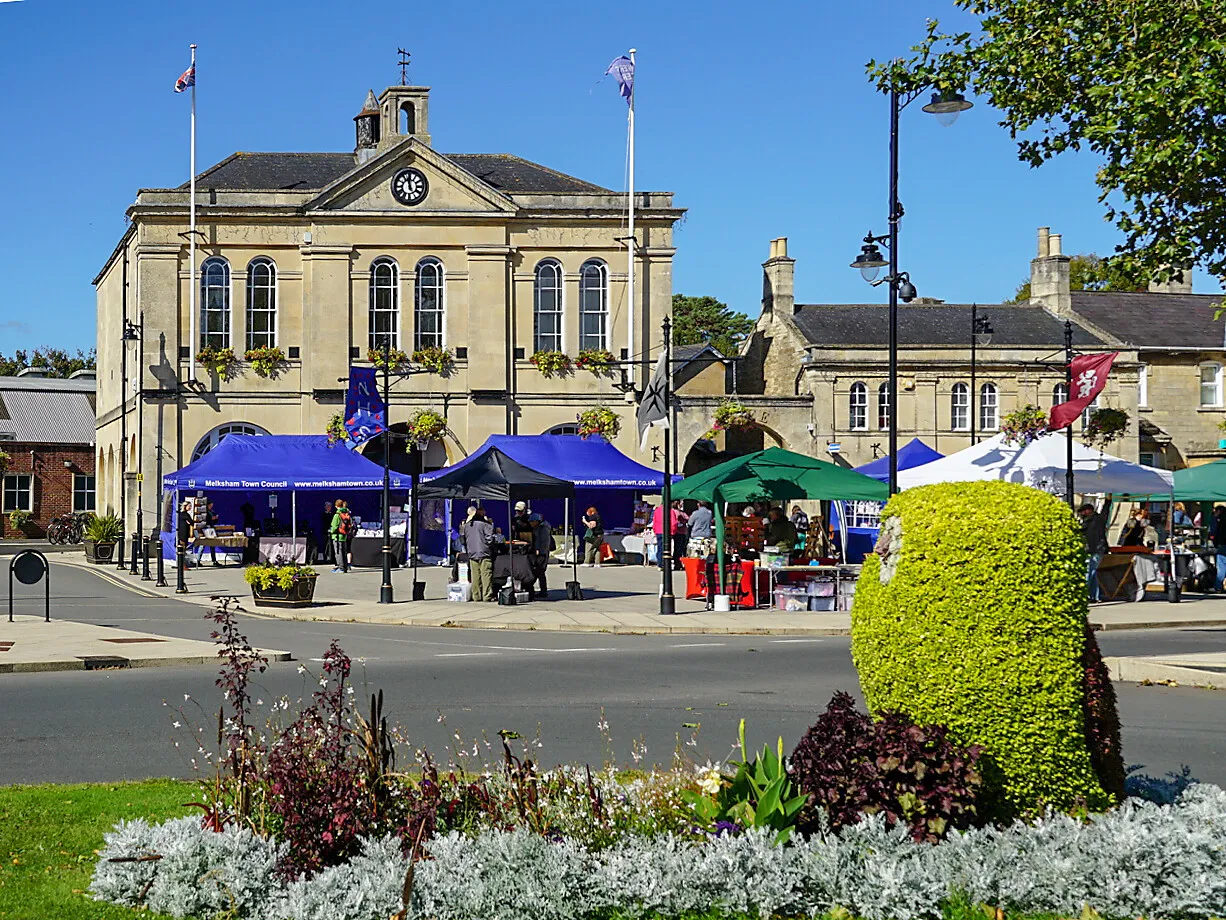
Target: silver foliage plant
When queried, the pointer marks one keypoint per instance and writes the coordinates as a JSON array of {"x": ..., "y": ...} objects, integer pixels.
[{"x": 1141, "y": 859}]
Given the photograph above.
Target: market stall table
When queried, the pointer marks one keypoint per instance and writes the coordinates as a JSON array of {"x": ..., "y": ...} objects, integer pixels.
[
  {"x": 367, "y": 552},
  {"x": 237, "y": 543},
  {"x": 746, "y": 584},
  {"x": 284, "y": 549}
]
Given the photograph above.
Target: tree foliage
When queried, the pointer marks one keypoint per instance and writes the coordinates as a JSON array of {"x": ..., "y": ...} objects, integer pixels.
[
  {"x": 1089, "y": 272},
  {"x": 58, "y": 362},
  {"x": 1140, "y": 83},
  {"x": 702, "y": 319}
]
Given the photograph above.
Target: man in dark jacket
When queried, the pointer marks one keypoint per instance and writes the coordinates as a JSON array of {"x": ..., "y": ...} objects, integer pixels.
[
  {"x": 1094, "y": 529},
  {"x": 478, "y": 535}
]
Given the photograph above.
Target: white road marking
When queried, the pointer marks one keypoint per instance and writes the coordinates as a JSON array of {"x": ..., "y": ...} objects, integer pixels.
[
  {"x": 781, "y": 641},
  {"x": 700, "y": 645},
  {"x": 466, "y": 655}
]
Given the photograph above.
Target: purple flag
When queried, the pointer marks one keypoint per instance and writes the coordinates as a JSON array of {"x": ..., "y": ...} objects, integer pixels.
[
  {"x": 622, "y": 69},
  {"x": 365, "y": 413}
]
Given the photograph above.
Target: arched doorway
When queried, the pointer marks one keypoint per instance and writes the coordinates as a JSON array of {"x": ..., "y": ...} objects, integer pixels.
[{"x": 218, "y": 434}]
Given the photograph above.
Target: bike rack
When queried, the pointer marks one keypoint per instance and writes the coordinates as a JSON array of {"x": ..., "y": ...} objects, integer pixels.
[{"x": 30, "y": 566}]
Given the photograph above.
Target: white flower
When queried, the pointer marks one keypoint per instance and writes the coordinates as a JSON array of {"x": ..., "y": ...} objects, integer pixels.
[
  {"x": 259, "y": 702},
  {"x": 711, "y": 782},
  {"x": 177, "y": 724},
  {"x": 186, "y": 697},
  {"x": 301, "y": 669}
]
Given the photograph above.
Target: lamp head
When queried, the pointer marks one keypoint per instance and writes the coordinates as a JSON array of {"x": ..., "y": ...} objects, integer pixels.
[
  {"x": 947, "y": 105},
  {"x": 869, "y": 261}
]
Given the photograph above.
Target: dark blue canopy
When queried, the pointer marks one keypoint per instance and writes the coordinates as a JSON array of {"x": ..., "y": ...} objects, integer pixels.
[
  {"x": 272, "y": 462},
  {"x": 590, "y": 463},
  {"x": 914, "y": 453}
]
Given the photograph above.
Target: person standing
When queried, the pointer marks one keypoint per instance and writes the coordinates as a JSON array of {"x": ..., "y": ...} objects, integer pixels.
[
  {"x": 780, "y": 531},
  {"x": 329, "y": 550},
  {"x": 338, "y": 533},
  {"x": 700, "y": 526},
  {"x": 209, "y": 520},
  {"x": 1094, "y": 529},
  {"x": 542, "y": 546},
  {"x": 184, "y": 536},
  {"x": 1217, "y": 533},
  {"x": 478, "y": 539},
  {"x": 593, "y": 537}
]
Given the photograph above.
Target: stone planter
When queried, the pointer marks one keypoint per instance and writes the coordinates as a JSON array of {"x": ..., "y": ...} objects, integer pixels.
[
  {"x": 300, "y": 594},
  {"x": 99, "y": 553}
]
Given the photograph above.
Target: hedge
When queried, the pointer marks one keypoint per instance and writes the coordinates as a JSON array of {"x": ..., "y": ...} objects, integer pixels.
[{"x": 981, "y": 626}]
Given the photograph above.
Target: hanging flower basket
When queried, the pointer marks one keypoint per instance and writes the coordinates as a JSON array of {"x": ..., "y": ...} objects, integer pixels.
[
  {"x": 426, "y": 425},
  {"x": 265, "y": 361},
  {"x": 336, "y": 431},
  {"x": 219, "y": 361},
  {"x": 598, "y": 361},
  {"x": 436, "y": 360},
  {"x": 1023, "y": 425},
  {"x": 731, "y": 415},
  {"x": 600, "y": 420},
  {"x": 396, "y": 358},
  {"x": 1105, "y": 425},
  {"x": 551, "y": 363}
]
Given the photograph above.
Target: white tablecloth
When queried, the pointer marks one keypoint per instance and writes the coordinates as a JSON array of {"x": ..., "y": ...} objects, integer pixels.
[{"x": 272, "y": 548}]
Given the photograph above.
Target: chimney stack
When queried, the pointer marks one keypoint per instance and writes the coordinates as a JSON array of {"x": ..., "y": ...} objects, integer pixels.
[
  {"x": 1049, "y": 276},
  {"x": 1179, "y": 283},
  {"x": 779, "y": 279}
]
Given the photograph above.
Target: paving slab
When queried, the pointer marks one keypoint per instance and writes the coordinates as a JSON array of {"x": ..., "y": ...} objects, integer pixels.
[
  {"x": 31, "y": 644},
  {"x": 617, "y": 599},
  {"x": 1203, "y": 669}
]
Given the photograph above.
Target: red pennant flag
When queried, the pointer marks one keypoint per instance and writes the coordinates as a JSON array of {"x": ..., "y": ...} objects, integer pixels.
[{"x": 1089, "y": 377}]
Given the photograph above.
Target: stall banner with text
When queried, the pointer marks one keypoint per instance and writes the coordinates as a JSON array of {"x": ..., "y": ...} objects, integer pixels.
[{"x": 365, "y": 413}]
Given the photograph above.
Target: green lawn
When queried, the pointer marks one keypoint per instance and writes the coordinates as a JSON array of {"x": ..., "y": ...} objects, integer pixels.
[{"x": 48, "y": 835}]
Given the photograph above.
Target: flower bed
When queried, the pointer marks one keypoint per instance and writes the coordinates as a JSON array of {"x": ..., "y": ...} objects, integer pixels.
[
  {"x": 1142, "y": 859},
  {"x": 551, "y": 363},
  {"x": 266, "y": 361},
  {"x": 220, "y": 361},
  {"x": 598, "y": 361}
]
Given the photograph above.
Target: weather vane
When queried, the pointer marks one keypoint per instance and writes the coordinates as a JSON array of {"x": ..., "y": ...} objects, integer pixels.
[{"x": 404, "y": 66}]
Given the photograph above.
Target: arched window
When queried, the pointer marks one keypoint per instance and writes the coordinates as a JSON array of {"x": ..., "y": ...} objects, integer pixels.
[
  {"x": 960, "y": 408},
  {"x": 883, "y": 407},
  {"x": 1088, "y": 411},
  {"x": 384, "y": 303},
  {"x": 261, "y": 303},
  {"x": 218, "y": 434},
  {"x": 428, "y": 305},
  {"x": 564, "y": 428},
  {"x": 593, "y": 306},
  {"x": 215, "y": 303},
  {"x": 857, "y": 407},
  {"x": 989, "y": 403},
  {"x": 1059, "y": 394},
  {"x": 547, "y": 307}
]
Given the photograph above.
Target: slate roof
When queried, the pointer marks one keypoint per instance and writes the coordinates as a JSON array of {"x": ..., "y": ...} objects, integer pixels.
[
  {"x": 313, "y": 171},
  {"x": 838, "y": 325},
  {"x": 47, "y": 411},
  {"x": 1147, "y": 320}
]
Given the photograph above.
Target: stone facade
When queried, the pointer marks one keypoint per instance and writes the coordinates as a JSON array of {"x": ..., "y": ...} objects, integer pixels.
[
  {"x": 474, "y": 245},
  {"x": 831, "y": 361}
]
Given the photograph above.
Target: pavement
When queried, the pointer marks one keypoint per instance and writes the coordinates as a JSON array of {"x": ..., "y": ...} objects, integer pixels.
[
  {"x": 1202, "y": 669},
  {"x": 30, "y": 643},
  {"x": 620, "y": 600}
]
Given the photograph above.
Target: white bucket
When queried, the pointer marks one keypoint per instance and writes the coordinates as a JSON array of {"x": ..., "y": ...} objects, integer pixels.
[{"x": 721, "y": 603}]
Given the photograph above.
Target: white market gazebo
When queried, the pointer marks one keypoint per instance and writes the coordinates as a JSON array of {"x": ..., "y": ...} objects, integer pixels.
[{"x": 1042, "y": 464}]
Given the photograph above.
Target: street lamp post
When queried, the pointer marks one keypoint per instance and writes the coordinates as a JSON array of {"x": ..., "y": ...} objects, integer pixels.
[
  {"x": 387, "y": 594},
  {"x": 668, "y": 603},
  {"x": 946, "y": 106},
  {"x": 981, "y": 334},
  {"x": 135, "y": 332}
]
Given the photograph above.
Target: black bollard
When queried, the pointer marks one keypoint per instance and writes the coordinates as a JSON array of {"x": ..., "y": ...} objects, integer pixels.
[
  {"x": 161, "y": 582},
  {"x": 181, "y": 559},
  {"x": 144, "y": 572},
  {"x": 119, "y": 553},
  {"x": 135, "y": 551}
]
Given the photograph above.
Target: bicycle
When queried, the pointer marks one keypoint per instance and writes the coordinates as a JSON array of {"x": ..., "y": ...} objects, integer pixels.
[{"x": 60, "y": 529}]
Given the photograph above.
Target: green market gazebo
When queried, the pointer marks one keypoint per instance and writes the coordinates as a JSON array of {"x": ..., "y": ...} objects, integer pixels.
[
  {"x": 1205, "y": 483},
  {"x": 774, "y": 473}
]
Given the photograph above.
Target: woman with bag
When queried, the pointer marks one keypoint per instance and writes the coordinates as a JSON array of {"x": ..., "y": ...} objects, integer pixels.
[{"x": 593, "y": 536}]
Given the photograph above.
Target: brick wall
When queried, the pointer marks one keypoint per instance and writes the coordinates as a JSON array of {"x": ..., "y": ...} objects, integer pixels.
[{"x": 52, "y": 481}]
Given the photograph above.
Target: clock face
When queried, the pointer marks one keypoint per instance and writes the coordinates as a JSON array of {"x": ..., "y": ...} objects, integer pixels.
[{"x": 410, "y": 187}]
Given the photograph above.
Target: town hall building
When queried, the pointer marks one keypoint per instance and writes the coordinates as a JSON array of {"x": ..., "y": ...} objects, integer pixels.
[{"x": 325, "y": 256}]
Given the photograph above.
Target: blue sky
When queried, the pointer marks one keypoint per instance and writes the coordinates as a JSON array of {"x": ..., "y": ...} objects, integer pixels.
[{"x": 758, "y": 117}]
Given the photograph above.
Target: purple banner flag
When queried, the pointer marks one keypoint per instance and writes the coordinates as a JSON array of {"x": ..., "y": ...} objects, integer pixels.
[
  {"x": 622, "y": 69},
  {"x": 365, "y": 412}
]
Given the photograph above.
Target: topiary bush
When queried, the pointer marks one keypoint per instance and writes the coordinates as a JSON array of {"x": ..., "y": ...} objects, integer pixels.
[
  {"x": 972, "y": 614},
  {"x": 850, "y": 766},
  {"x": 1102, "y": 719}
]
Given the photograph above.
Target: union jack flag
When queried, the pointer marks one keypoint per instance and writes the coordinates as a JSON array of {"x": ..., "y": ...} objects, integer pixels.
[{"x": 188, "y": 79}]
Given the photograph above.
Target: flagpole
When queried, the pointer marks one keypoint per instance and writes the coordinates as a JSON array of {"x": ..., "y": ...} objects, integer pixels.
[
  {"x": 632, "y": 244},
  {"x": 191, "y": 238}
]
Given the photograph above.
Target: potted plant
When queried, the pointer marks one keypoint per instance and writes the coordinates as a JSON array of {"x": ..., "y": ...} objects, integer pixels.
[
  {"x": 18, "y": 520},
  {"x": 336, "y": 430},
  {"x": 219, "y": 361},
  {"x": 266, "y": 360},
  {"x": 436, "y": 360},
  {"x": 101, "y": 535},
  {"x": 600, "y": 420},
  {"x": 596, "y": 360},
  {"x": 551, "y": 363},
  {"x": 1105, "y": 425},
  {"x": 731, "y": 415},
  {"x": 426, "y": 425},
  {"x": 1021, "y": 426},
  {"x": 396, "y": 358},
  {"x": 284, "y": 585}
]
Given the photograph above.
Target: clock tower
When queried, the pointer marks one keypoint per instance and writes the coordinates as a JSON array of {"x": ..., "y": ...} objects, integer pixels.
[{"x": 404, "y": 112}]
